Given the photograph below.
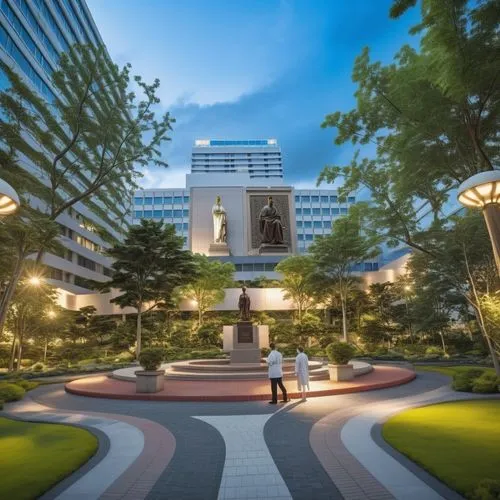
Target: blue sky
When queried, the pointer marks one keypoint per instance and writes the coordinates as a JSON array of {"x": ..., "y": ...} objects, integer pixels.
[{"x": 251, "y": 69}]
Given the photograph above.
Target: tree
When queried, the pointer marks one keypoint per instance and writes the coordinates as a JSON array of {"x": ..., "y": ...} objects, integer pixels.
[
  {"x": 207, "y": 289},
  {"x": 86, "y": 140},
  {"x": 298, "y": 281},
  {"x": 148, "y": 266},
  {"x": 336, "y": 255},
  {"x": 433, "y": 115}
]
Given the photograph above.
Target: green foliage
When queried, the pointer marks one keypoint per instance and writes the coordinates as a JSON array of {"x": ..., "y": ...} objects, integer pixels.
[
  {"x": 487, "y": 383},
  {"x": 11, "y": 392},
  {"x": 38, "y": 367},
  {"x": 151, "y": 358},
  {"x": 463, "y": 381},
  {"x": 340, "y": 353},
  {"x": 488, "y": 489},
  {"x": 27, "y": 385},
  {"x": 124, "y": 356},
  {"x": 207, "y": 289},
  {"x": 209, "y": 334}
]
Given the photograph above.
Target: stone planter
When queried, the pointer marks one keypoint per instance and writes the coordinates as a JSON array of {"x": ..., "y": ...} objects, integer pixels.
[
  {"x": 149, "y": 381},
  {"x": 341, "y": 373}
]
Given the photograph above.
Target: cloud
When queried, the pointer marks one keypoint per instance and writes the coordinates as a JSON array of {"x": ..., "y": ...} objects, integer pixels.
[{"x": 163, "y": 178}]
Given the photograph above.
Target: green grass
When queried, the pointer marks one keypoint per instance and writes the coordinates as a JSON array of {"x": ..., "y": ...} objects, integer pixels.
[
  {"x": 35, "y": 457},
  {"x": 457, "y": 442},
  {"x": 451, "y": 370}
]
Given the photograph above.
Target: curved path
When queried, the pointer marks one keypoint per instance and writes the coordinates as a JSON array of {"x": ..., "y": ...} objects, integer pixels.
[{"x": 325, "y": 448}]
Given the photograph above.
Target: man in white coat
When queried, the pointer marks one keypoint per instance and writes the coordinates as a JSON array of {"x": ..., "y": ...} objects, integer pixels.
[
  {"x": 275, "y": 362},
  {"x": 302, "y": 372}
]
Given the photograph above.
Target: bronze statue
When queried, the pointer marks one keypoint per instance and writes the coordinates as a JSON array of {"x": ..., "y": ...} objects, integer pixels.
[
  {"x": 244, "y": 305},
  {"x": 270, "y": 224}
]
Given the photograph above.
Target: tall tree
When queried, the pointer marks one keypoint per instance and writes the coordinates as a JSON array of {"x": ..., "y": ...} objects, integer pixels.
[
  {"x": 337, "y": 254},
  {"x": 433, "y": 116},
  {"x": 207, "y": 289},
  {"x": 86, "y": 139},
  {"x": 149, "y": 265},
  {"x": 298, "y": 281}
]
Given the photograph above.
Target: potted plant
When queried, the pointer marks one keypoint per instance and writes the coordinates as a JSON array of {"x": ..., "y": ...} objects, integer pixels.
[
  {"x": 339, "y": 354},
  {"x": 150, "y": 379}
]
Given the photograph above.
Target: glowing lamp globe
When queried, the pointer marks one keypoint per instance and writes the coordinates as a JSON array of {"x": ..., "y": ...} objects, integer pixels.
[
  {"x": 483, "y": 191},
  {"x": 9, "y": 201}
]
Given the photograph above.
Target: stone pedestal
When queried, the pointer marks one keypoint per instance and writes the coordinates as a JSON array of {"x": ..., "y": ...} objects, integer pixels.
[
  {"x": 149, "y": 381},
  {"x": 341, "y": 373},
  {"x": 266, "y": 248},
  {"x": 218, "y": 249},
  {"x": 244, "y": 341}
]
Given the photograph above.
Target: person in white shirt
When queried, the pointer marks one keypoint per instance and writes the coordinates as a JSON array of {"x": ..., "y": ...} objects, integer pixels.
[
  {"x": 302, "y": 372},
  {"x": 275, "y": 362}
]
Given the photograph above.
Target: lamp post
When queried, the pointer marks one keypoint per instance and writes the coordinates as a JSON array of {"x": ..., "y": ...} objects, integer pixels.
[
  {"x": 483, "y": 191},
  {"x": 9, "y": 200}
]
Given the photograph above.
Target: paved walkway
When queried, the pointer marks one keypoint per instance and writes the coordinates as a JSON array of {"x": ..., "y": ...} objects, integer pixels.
[{"x": 325, "y": 448}]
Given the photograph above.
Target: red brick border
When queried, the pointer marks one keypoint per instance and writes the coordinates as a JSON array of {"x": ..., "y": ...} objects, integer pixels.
[{"x": 214, "y": 391}]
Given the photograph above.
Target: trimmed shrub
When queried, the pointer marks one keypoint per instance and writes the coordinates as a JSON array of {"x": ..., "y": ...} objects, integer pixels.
[
  {"x": 38, "y": 367},
  {"x": 151, "y": 358},
  {"x": 463, "y": 381},
  {"x": 487, "y": 383},
  {"x": 124, "y": 356},
  {"x": 27, "y": 385},
  {"x": 340, "y": 352},
  {"x": 434, "y": 350},
  {"x": 488, "y": 489},
  {"x": 11, "y": 392}
]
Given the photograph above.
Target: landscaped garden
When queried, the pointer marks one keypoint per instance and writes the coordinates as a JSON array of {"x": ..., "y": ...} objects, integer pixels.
[
  {"x": 456, "y": 442},
  {"x": 37, "y": 456}
]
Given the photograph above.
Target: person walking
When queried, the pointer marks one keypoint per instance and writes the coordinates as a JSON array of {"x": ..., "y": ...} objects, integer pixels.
[
  {"x": 302, "y": 372},
  {"x": 275, "y": 362}
]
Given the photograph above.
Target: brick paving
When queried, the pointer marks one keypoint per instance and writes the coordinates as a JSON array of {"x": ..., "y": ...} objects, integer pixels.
[{"x": 237, "y": 390}]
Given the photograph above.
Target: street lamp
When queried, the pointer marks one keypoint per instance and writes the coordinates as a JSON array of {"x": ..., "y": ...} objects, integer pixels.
[
  {"x": 9, "y": 201},
  {"x": 483, "y": 191}
]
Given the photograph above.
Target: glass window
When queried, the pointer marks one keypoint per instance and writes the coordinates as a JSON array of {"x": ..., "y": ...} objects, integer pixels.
[
  {"x": 333, "y": 199},
  {"x": 248, "y": 267},
  {"x": 316, "y": 211},
  {"x": 325, "y": 211},
  {"x": 185, "y": 213},
  {"x": 351, "y": 199},
  {"x": 177, "y": 213},
  {"x": 318, "y": 224},
  {"x": 269, "y": 267},
  {"x": 307, "y": 224},
  {"x": 167, "y": 199},
  {"x": 324, "y": 199},
  {"x": 309, "y": 237},
  {"x": 300, "y": 237},
  {"x": 298, "y": 211},
  {"x": 158, "y": 200},
  {"x": 343, "y": 211},
  {"x": 138, "y": 201},
  {"x": 186, "y": 200},
  {"x": 238, "y": 268},
  {"x": 185, "y": 226},
  {"x": 158, "y": 214},
  {"x": 368, "y": 266},
  {"x": 327, "y": 224},
  {"x": 177, "y": 199},
  {"x": 258, "y": 267},
  {"x": 138, "y": 214},
  {"x": 315, "y": 199},
  {"x": 299, "y": 223},
  {"x": 335, "y": 211},
  {"x": 148, "y": 200},
  {"x": 375, "y": 266},
  {"x": 306, "y": 199},
  {"x": 178, "y": 227},
  {"x": 297, "y": 199},
  {"x": 167, "y": 213},
  {"x": 306, "y": 211},
  {"x": 148, "y": 213}
]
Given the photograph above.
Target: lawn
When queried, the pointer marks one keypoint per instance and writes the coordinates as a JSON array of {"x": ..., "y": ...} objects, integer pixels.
[
  {"x": 34, "y": 457},
  {"x": 457, "y": 442},
  {"x": 451, "y": 370}
]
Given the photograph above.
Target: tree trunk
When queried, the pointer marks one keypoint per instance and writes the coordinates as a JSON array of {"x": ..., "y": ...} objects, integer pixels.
[
  {"x": 9, "y": 291},
  {"x": 343, "y": 301},
  {"x": 139, "y": 330},
  {"x": 200, "y": 316},
  {"x": 442, "y": 341},
  {"x": 13, "y": 354},
  {"x": 19, "y": 353},
  {"x": 45, "y": 350}
]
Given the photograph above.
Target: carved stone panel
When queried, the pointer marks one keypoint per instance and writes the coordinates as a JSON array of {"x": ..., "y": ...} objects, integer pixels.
[{"x": 257, "y": 203}]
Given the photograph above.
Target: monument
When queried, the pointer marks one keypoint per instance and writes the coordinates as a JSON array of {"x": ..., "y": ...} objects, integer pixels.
[
  {"x": 271, "y": 229},
  {"x": 244, "y": 340},
  {"x": 219, "y": 245}
]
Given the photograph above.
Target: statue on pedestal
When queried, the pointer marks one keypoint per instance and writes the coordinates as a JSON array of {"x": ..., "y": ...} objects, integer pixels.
[
  {"x": 220, "y": 222},
  {"x": 244, "y": 305},
  {"x": 270, "y": 224}
]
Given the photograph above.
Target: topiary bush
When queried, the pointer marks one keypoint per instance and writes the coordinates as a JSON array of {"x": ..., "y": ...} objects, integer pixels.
[
  {"x": 463, "y": 381},
  {"x": 38, "y": 367},
  {"x": 340, "y": 353},
  {"x": 11, "y": 392},
  {"x": 488, "y": 489},
  {"x": 487, "y": 383},
  {"x": 151, "y": 358},
  {"x": 27, "y": 385}
]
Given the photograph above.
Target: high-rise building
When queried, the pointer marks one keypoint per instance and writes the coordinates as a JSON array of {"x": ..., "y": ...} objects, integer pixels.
[
  {"x": 33, "y": 34},
  {"x": 306, "y": 214}
]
